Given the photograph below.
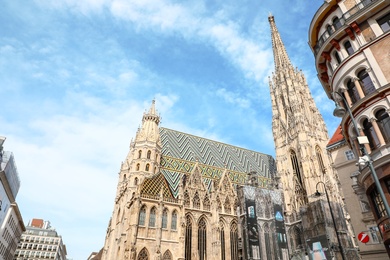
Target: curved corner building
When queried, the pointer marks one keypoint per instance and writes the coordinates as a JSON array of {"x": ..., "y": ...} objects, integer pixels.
[{"x": 350, "y": 40}]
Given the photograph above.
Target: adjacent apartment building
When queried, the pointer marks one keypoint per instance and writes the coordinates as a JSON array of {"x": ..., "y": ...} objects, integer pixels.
[
  {"x": 350, "y": 40},
  {"x": 11, "y": 222},
  {"x": 40, "y": 241}
]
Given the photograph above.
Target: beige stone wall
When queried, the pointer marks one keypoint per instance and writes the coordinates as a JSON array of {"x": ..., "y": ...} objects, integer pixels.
[
  {"x": 381, "y": 52},
  {"x": 349, "y": 3},
  {"x": 367, "y": 31}
]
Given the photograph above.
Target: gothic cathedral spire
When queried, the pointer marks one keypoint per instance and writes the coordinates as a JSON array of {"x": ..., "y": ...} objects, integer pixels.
[{"x": 299, "y": 131}]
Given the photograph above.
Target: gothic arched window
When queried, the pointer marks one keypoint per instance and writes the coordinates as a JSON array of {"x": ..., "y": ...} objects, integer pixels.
[
  {"x": 164, "y": 222},
  {"x": 143, "y": 255},
  {"x": 206, "y": 202},
  {"x": 222, "y": 240},
  {"x": 147, "y": 167},
  {"x": 137, "y": 168},
  {"x": 148, "y": 154},
  {"x": 348, "y": 47},
  {"x": 174, "y": 220},
  {"x": 142, "y": 216},
  {"x": 366, "y": 82},
  {"x": 152, "y": 217},
  {"x": 319, "y": 159},
  {"x": 188, "y": 239},
  {"x": 139, "y": 154},
  {"x": 369, "y": 131},
  {"x": 202, "y": 241},
  {"x": 135, "y": 181},
  {"x": 186, "y": 199},
  {"x": 383, "y": 121},
  {"x": 167, "y": 255},
  {"x": 296, "y": 167},
  {"x": 234, "y": 241},
  {"x": 196, "y": 201}
]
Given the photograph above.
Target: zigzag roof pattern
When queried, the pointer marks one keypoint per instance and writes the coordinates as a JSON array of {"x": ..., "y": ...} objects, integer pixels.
[
  {"x": 194, "y": 148},
  {"x": 180, "y": 151}
]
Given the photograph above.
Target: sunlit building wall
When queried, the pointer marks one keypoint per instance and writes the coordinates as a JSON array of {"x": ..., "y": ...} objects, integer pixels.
[{"x": 351, "y": 44}]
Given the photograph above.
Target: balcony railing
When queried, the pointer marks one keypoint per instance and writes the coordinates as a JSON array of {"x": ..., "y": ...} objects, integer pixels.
[{"x": 348, "y": 14}]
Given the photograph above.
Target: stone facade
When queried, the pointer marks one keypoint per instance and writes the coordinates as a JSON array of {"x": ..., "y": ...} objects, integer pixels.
[
  {"x": 177, "y": 199},
  {"x": 303, "y": 166}
]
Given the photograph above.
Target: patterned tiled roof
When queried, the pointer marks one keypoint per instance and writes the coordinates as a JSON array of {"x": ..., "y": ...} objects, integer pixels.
[
  {"x": 152, "y": 186},
  {"x": 180, "y": 151}
]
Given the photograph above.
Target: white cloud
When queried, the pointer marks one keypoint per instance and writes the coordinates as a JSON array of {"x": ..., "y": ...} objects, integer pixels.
[{"x": 233, "y": 98}]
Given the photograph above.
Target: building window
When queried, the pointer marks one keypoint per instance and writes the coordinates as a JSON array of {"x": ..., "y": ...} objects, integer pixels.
[
  {"x": 329, "y": 29},
  {"x": 336, "y": 23},
  {"x": 377, "y": 201},
  {"x": 139, "y": 154},
  {"x": 164, "y": 219},
  {"x": 174, "y": 220},
  {"x": 143, "y": 255},
  {"x": 222, "y": 239},
  {"x": 352, "y": 91},
  {"x": 234, "y": 241},
  {"x": 135, "y": 181},
  {"x": 167, "y": 255},
  {"x": 383, "y": 121},
  {"x": 142, "y": 216},
  {"x": 348, "y": 47},
  {"x": 202, "y": 242},
  {"x": 366, "y": 82},
  {"x": 188, "y": 239},
  {"x": 384, "y": 22},
  {"x": 206, "y": 203},
  {"x": 152, "y": 217},
  {"x": 137, "y": 168},
  {"x": 369, "y": 131},
  {"x": 349, "y": 155},
  {"x": 148, "y": 154},
  {"x": 374, "y": 234},
  {"x": 147, "y": 167},
  {"x": 337, "y": 57},
  {"x": 186, "y": 199}
]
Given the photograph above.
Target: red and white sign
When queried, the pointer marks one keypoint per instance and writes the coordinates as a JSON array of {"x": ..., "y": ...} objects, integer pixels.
[{"x": 363, "y": 237}]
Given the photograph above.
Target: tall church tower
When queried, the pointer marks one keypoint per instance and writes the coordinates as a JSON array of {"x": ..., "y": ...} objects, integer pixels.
[
  {"x": 303, "y": 166},
  {"x": 142, "y": 162},
  {"x": 300, "y": 134}
]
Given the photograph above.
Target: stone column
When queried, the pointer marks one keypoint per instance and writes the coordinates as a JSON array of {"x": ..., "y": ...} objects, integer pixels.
[
  {"x": 358, "y": 87},
  {"x": 378, "y": 131},
  {"x": 347, "y": 97}
]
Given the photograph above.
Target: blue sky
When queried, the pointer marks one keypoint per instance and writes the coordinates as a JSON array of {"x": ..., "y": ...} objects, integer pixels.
[{"x": 76, "y": 77}]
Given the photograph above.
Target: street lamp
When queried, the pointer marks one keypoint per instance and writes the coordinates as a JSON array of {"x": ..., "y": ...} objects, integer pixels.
[
  {"x": 340, "y": 112},
  {"x": 317, "y": 194}
]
